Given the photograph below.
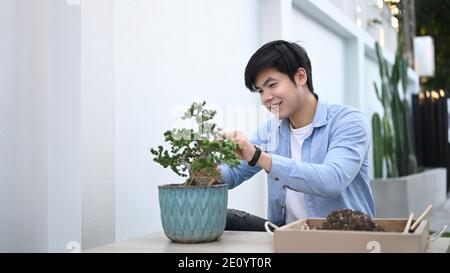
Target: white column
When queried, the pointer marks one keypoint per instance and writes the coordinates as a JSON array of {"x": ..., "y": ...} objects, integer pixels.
[
  {"x": 23, "y": 119},
  {"x": 275, "y": 19},
  {"x": 354, "y": 72},
  {"x": 97, "y": 123},
  {"x": 81, "y": 202},
  {"x": 64, "y": 121}
]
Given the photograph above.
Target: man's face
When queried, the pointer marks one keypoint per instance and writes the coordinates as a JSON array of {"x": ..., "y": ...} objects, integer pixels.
[{"x": 278, "y": 93}]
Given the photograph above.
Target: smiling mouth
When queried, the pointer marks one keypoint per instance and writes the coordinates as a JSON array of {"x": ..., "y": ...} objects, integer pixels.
[{"x": 274, "y": 107}]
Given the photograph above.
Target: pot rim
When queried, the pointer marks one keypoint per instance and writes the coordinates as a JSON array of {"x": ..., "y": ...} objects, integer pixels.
[{"x": 181, "y": 186}]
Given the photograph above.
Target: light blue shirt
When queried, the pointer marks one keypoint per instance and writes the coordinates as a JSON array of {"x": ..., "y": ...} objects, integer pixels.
[{"x": 333, "y": 173}]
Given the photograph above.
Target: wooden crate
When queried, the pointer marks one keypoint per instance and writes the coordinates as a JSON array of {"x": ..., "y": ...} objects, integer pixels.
[{"x": 291, "y": 238}]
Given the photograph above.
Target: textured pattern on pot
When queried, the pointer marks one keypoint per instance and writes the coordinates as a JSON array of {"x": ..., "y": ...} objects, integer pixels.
[{"x": 193, "y": 214}]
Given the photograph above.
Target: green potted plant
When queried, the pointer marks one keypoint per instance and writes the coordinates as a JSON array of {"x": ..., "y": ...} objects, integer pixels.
[
  {"x": 399, "y": 188},
  {"x": 393, "y": 134},
  {"x": 195, "y": 211}
]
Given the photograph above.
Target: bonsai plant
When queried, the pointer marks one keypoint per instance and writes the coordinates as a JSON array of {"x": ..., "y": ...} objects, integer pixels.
[{"x": 195, "y": 211}]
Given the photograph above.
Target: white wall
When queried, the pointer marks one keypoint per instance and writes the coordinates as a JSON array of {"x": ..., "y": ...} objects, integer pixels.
[
  {"x": 23, "y": 138},
  {"x": 8, "y": 102},
  {"x": 60, "y": 104},
  {"x": 166, "y": 54},
  {"x": 57, "y": 150},
  {"x": 327, "y": 53}
]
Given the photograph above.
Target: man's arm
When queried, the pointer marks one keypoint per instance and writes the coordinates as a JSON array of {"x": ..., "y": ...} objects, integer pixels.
[
  {"x": 265, "y": 162},
  {"x": 348, "y": 146},
  {"x": 237, "y": 175}
]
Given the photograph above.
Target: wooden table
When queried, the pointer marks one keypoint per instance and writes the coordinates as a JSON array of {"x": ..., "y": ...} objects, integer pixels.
[{"x": 230, "y": 242}]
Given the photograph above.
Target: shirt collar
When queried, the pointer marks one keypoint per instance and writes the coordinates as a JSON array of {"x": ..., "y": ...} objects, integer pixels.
[{"x": 320, "y": 117}]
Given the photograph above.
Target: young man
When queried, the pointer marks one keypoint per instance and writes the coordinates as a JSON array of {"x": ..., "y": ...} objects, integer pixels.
[{"x": 319, "y": 162}]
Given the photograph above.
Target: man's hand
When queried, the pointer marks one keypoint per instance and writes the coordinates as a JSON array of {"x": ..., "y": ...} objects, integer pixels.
[{"x": 246, "y": 149}]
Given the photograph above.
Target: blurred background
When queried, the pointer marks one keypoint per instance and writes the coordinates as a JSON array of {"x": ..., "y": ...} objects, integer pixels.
[{"x": 88, "y": 87}]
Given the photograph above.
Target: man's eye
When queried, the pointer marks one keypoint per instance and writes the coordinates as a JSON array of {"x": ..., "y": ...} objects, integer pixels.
[
  {"x": 273, "y": 85},
  {"x": 259, "y": 91}
]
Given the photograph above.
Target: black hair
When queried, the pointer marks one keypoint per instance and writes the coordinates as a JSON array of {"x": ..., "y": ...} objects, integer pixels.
[{"x": 285, "y": 56}]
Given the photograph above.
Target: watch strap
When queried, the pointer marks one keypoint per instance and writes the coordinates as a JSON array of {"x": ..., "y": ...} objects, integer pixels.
[{"x": 256, "y": 156}]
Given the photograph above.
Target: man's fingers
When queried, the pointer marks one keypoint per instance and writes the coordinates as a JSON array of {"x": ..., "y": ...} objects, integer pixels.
[
  {"x": 239, "y": 154},
  {"x": 232, "y": 134},
  {"x": 235, "y": 136},
  {"x": 219, "y": 137},
  {"x": 227, "y": 135}
]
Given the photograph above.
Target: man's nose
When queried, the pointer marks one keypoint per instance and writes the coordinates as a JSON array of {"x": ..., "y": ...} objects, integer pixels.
[{"x": 267, "y": 96}]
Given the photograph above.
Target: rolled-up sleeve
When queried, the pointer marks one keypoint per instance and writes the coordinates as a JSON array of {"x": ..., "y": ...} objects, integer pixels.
[{"x": 348, "y": 145}]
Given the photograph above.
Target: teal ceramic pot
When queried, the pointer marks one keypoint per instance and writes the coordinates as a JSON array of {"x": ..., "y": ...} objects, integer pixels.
[{"x": 193, "y": 214}]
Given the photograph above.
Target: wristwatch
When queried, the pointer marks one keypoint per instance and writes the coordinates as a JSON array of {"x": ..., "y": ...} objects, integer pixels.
[{"x": 255, "y": 156}]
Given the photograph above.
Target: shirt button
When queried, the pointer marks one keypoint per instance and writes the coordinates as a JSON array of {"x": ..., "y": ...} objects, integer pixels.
[{"x": 276, "y": 178}]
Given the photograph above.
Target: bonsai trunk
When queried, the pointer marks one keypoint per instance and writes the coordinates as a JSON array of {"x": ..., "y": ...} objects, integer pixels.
[{"x": 201, "y": 179}]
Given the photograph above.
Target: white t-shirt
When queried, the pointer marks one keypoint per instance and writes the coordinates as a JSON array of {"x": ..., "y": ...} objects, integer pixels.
[{"x": 295, "y": 201}]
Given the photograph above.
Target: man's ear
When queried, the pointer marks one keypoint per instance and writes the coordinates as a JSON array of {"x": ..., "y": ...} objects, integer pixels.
[{"x": 301, "y": 77}]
